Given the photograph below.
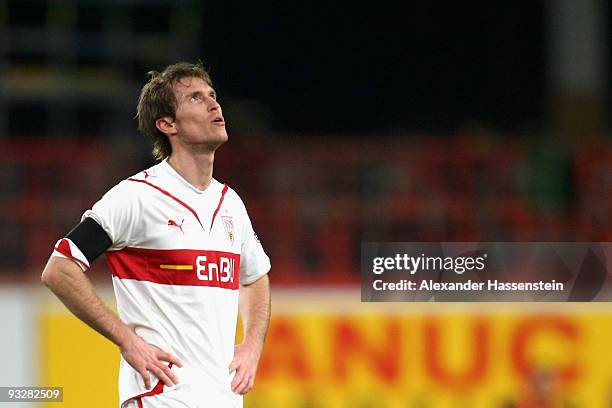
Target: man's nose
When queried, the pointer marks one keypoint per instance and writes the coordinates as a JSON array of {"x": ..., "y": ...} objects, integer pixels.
[{"x": 213, "y": 105}]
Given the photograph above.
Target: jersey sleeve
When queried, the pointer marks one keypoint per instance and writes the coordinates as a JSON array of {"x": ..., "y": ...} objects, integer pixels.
[
  {"x": 254, "y": 263},
  {"x": 83, "y": 244},
  {"x": 109, "y": 225},
  {"x": 117, "y": 214}
]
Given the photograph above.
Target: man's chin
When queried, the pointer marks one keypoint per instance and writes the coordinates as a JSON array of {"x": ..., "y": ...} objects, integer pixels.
[
  {"x": 222, "y": 139},
  {"x": 214, "y": 143}
]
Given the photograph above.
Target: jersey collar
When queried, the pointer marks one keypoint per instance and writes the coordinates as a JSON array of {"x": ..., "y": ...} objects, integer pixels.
[{"x": 173, "y": 173}]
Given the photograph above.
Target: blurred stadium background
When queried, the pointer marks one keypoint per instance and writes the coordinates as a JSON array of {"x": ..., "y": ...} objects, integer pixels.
[{"x": 348, "y": 123}]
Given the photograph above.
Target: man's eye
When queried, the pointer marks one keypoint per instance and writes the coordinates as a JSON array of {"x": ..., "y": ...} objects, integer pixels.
[{"x": 195, "y": 98}]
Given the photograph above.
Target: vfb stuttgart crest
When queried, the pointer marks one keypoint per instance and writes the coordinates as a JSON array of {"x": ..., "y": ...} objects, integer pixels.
[{"x": 228, "y": 224}]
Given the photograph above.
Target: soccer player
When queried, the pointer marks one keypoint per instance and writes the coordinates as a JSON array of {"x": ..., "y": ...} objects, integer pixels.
[{"x": 181, "y": 248}]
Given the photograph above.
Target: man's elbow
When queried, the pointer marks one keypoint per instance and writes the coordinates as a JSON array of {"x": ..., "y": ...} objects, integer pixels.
[
  {"x": 49, "y": 275},
  {"x": 55, "y": 272}
]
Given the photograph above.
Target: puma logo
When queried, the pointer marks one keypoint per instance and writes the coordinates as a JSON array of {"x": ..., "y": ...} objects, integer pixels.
[{"x": 172, "y": 223}]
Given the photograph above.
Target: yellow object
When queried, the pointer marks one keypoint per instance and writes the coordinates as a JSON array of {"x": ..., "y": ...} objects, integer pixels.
[
  {"x": 363, "y": 356},
  {"x": 177, "y": 267},
  {"x": 80, "y": 360}
]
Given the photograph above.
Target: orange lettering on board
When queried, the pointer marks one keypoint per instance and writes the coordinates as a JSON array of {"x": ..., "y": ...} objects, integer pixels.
[
  {"x": 350, "y": 345},
  {"x": 478, "y": 366},
  {"x": 528, "y": 330},
  {"x": 285, "y": 352}
]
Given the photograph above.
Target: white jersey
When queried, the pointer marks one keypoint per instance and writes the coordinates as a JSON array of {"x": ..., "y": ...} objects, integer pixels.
[{"x": 177, "y": 258}]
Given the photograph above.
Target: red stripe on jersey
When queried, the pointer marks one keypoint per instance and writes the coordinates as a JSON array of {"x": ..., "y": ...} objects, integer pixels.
[
  {"x": 63, "y": 247},
  {"x": 158, "y": 389},
  {"x": 219, "y": 205},
  {"x": 161, "y": 190},
  {"x": 183, "y": 267}
]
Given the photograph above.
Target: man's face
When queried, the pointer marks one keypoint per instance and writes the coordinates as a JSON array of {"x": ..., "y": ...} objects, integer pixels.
[{"x": 198, "y": 117}]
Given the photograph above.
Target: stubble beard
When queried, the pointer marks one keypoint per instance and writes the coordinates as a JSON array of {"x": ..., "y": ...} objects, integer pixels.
[{"x": 212, "y": 144}]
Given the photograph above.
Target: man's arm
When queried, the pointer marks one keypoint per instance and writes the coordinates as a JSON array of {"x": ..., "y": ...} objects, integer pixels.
[
  {"x": 66, "y": 279},
  {"x": 255, "y": 314}
]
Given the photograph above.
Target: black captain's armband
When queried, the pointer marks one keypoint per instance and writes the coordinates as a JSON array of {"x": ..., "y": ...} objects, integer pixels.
[{"x": 90, "y": 238}]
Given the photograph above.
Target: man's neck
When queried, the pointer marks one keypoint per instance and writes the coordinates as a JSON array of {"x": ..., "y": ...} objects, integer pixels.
[{"x": 195, "y": 168}]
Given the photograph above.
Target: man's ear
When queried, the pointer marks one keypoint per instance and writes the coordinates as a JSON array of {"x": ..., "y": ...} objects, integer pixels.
[{"x": 166, "y": 125}]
